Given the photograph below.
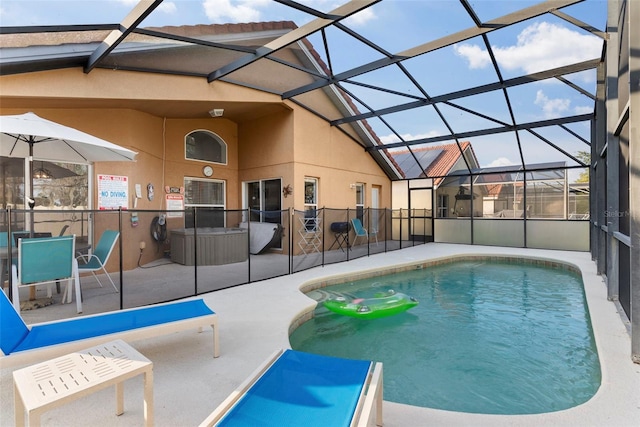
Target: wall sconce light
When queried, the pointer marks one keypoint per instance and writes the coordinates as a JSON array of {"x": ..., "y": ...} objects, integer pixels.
[
  {"x": 352, "y": 186},
  {"x": 287, "y": 190},
  {"x": 216, "y": 112}
]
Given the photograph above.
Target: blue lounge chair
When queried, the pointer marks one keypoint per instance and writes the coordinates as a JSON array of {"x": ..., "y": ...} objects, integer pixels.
[
  {"x": 21, "y": 344},
  {"x": 294, "y": 388}
]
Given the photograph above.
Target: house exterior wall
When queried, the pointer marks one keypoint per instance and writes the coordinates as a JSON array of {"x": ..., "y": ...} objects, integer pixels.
[
  {"x": 151, "y": 114},
  {"x": 326, "y": 153},
  {"x": 266, "y": 151}
]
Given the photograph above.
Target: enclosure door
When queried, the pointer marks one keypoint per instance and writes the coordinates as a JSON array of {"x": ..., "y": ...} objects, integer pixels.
[{"x": 421, "y": 214}]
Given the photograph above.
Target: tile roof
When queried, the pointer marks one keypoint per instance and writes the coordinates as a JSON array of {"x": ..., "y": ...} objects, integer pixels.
[
  {"x": 96, "y": 36},
  {"x": 194, "y": 31},
  {"x": 442, "y": 165}
]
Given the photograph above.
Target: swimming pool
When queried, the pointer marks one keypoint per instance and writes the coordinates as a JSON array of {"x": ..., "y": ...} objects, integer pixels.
[{"x": 488, "y": 336}]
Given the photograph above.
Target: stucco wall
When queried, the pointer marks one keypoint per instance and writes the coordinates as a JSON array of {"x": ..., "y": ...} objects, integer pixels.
[
  {"x": 154, "y": 140},
  {"x": 265, "y": 146},
  {"x": 324, "y": 152},
  {"x": 177, "y": 167},
  {"x": 151, "y": 114}
]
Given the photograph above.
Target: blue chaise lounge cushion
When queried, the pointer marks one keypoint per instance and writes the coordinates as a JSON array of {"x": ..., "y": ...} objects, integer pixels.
[
  {"x": 302, "y": 389},
  {"x": 12, "y": 328},
  {"x": 14, "y": 338}
]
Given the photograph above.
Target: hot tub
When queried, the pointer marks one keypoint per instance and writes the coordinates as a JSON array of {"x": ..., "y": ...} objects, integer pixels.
[{"x": 216, "y": 245}]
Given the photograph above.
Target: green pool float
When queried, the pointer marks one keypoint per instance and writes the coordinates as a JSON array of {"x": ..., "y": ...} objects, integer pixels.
[{"x": 383, "y": 304}]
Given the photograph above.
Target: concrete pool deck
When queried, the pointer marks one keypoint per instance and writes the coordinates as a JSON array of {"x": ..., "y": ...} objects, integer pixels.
[{"x": 254, "y": 321}]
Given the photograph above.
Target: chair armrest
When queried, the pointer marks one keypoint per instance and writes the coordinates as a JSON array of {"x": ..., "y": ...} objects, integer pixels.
[{"x": 86, "y": 258}]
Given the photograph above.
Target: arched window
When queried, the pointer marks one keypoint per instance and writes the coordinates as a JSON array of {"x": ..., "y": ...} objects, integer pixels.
[{"x": 206, "y": 146}]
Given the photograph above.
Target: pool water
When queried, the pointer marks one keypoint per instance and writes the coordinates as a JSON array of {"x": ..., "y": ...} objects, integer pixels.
[{"x": 487, "y": 337}]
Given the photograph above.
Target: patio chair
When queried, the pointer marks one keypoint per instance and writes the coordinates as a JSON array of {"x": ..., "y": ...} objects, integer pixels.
[
  {"x": 43, "y": 261},
  {"x": 8, "y": 259},
  {"x": 63, "y": 230},
  {"x": 23, "y": 234},
  {"x": 22, "y": 344},
  {"x": 17, "y": 235},
  {"x": 361, "y": 231},
  {"x": 97, "y": 260},
  {"x": 294, "y": 388}
]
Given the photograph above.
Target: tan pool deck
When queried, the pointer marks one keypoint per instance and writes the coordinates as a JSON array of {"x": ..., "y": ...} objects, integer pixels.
[{"x": 254, "y": 321}]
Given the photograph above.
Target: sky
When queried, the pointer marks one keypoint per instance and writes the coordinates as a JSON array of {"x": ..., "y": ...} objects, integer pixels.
[{"x": 398, "y": 25}]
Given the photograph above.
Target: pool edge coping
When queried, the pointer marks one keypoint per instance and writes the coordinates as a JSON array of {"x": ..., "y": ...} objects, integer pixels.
[{"x": 583, "y": 271}]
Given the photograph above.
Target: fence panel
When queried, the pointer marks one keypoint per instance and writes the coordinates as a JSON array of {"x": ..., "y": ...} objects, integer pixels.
[{"x": 167, "y": 255}]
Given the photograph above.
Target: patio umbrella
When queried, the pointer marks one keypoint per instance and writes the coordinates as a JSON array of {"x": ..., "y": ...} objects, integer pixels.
[{"x": 28, "y": 135}]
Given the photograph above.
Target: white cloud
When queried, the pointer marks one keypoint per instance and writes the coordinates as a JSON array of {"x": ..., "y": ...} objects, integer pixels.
[
  {"x": 500, "y": 161},
  {"x": 477, "y": 57},
  {"x": 168, "y": 7},
  {"x": 392, "y": 138},
  {"x": 537, "y": 49},
  {"x": 551, "y": 107},
  {"x": 165, "y": 6},
  {"x": 361, "y": 18},
  {"x": 243, "y": 11},
  {"x": 583, "y": 110},
  {"x": 227, "y": 11}
]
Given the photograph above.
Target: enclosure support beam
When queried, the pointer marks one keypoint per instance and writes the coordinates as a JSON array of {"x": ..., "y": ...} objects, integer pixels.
[
  {"x": 634, "y": 174},
  {"x": 115, "y": 37},
  {"x": 599, "y": 160},
  {"x": 613, "y": 151}
]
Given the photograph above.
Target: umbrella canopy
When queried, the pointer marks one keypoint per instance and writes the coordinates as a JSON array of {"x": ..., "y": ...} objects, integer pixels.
[{"x": 28, "y": 135}]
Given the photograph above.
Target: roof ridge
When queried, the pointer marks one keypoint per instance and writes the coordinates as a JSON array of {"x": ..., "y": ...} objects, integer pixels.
[{"x": 233, "y": 28}]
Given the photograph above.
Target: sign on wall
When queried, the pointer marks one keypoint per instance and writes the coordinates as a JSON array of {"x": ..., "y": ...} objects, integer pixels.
[
  {"x": 174, "y": 202},
  {"x": 113, "y": 192}
]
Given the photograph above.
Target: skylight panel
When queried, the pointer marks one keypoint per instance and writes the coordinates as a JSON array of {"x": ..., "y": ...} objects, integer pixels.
[
  {"x": 536, "y": 151},
  {"x": 449, "y": 70},
  {"x": 375, "y": 98},
  {"x": 391, "y": 78},
  {"x": 586, "y": 81},
  {"x": 566, "y": 142},
  {"x": 488, "y": 10},
  {"x": 592, "y": 12},
  {"x": 399, "y": 25},
  {"x": 547, "y": 100},
  {"x": 416, "y": 124},
  {"x": 496, "y": 150},
  {"x": 345, "y": 51},
  {"x": 464, "y": 121},
  {"x": 581, "y": 130},
  {"x": 491, "y": 104},
  {"x": 532, "y": 46}
]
